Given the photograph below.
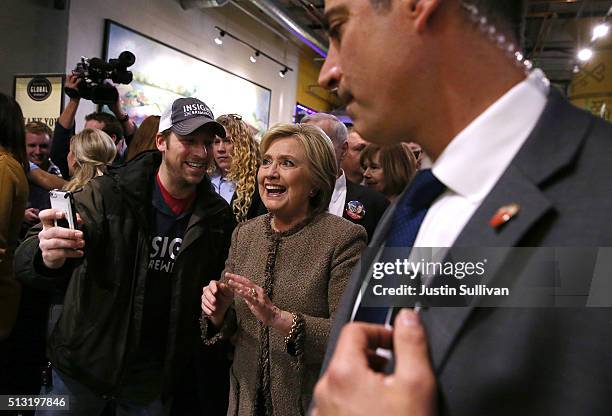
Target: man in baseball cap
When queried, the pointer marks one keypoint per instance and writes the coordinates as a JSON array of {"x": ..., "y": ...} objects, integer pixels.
[
  {"x": 185, "y": 115},
  {"x": 154, "y": 233}
]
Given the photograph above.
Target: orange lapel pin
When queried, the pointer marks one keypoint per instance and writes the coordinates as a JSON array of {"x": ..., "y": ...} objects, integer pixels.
[{"x": 504, "y": 214}]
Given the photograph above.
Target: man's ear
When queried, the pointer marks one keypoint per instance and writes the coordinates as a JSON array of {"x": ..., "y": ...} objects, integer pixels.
[
  {"x": 344, "y": 150},
  {"x": 160, "y": 142},
  {"x": 114, "y": 138},
  {"x": 422, "y": 11}
]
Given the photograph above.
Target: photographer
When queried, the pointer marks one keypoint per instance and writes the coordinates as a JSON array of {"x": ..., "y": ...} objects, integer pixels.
[{"x": 65, "y": 128}]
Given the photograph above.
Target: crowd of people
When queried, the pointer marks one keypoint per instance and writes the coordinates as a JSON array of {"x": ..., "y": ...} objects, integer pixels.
[
  {"x": 199, "y": 204},
  {"x": 213, "y": 272}
]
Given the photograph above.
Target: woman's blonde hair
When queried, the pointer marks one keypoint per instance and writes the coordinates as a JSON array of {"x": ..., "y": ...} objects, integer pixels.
[
  {"x": 92, "y": 150},
  {"x": 397, "y": 162},
  {"x": 245, "y": 162},
  {"x": 320, "y": 155}
]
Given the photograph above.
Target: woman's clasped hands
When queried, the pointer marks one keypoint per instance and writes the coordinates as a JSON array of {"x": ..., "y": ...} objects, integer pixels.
[{"x": 217, "y": 297}]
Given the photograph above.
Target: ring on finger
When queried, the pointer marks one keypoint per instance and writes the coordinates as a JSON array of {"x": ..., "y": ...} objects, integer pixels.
[{"x": 253, "y": 292}]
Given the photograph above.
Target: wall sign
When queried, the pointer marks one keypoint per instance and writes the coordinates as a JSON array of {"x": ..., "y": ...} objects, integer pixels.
[{"x": 40, "y": 97}]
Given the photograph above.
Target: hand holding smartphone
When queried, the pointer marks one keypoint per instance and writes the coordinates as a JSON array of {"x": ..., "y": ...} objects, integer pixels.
[{"x": 64, "y": 201}]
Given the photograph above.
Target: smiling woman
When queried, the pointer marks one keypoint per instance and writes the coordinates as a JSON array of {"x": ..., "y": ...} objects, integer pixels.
[
  {"x": 298, "y": 173},
  {"x": 277, "y": 304},
  {"x": 388, "y": 169}
]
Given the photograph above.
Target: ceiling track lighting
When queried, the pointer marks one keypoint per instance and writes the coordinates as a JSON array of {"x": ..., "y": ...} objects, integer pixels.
[
  {"x": 601, "y": 30},
  {"x": 253, "y": 58},
  {"x": 219, "y": 39},
  {"x": 585, "y": 54},
  {"x": 257, "y": 52}
]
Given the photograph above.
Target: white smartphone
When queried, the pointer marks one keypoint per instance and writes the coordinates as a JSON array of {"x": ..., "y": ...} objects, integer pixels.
[{"x": 64, "y": 201}]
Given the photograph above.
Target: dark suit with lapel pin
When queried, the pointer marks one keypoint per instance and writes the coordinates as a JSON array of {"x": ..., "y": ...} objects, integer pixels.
[{"x": 529, "y": 361}]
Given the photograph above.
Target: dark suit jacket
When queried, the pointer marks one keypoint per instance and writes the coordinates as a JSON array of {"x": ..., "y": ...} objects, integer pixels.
[
  {"x": 374, "y": 203},
  {"x": 530, "y": 361}
]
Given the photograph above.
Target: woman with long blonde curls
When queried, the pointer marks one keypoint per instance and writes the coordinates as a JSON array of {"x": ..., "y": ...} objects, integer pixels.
[
  {"x": 90, "y": 151},
  {"x": 236, "y": 160}
]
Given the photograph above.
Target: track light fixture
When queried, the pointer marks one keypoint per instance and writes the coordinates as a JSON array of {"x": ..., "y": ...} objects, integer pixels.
[
  {"x": 585, "y": 54},
  {"x": 219, "y": 39},
  {"x": 600, "y": 31},
  {"x": 256, "y": 52},
  {"x": 253, "y": 58}
]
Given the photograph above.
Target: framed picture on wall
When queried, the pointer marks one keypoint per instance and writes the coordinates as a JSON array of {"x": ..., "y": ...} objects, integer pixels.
[
  {"x": 163, "y": 73},
  {"x": 40, "y": 97}
]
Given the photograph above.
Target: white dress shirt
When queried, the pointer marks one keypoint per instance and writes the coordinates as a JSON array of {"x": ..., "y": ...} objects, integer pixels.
[
  {"x": 476, "y": 158},
  {"x": 336, "y": 205},
  {"x": 223, "y": 187}
]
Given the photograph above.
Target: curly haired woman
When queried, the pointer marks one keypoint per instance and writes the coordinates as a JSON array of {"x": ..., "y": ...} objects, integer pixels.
[{"x": 236, "y": 160}]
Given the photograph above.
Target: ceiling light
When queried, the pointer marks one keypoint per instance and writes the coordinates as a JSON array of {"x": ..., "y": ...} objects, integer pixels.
[
  {"x": 600, "y": 31},
  {"x": 219, "y": 39},
  {"x": 585, "y": 54},
  {"x": 255, "y": 54}
]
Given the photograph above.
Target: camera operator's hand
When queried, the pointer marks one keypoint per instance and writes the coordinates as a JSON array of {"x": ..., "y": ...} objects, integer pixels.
[
  {"x": 57, "y": 243},
  {"x": 66, "y": 119},
  {"x": 71, "y": 86},
  {"x": 72, "y": 81},
  {"x": 116, "y": 106},
  {"x": 129, "y": 128}
]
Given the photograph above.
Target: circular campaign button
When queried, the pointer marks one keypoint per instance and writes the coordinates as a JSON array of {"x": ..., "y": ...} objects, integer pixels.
[{"x": 39, "y": 89}]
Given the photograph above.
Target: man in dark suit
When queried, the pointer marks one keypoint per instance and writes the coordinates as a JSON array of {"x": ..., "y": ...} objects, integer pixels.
[
  {"x": 516, "y": 166},
  {"x": 354, "y": 202}
]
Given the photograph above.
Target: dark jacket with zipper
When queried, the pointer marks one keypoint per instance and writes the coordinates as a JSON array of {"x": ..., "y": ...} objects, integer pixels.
[{"x": 99, "y": 330}]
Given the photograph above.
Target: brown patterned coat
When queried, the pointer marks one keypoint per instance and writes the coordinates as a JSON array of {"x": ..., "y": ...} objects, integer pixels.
[{"x": 310, "y": 267}]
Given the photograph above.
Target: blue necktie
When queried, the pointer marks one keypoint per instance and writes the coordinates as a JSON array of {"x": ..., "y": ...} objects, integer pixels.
[
  {"x": 407, "y": 218},
  {"x": 411, "y": 209}
]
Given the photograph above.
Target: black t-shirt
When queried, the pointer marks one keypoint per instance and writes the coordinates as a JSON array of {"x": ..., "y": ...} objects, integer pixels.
[{"x": 145, "y": 372}]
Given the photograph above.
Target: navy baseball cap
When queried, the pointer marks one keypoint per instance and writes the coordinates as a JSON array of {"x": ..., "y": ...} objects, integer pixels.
[{"x": 186, "y": 115}]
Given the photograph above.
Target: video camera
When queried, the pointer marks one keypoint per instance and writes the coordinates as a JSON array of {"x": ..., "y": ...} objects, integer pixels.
[{"x": 94, "y": 71}]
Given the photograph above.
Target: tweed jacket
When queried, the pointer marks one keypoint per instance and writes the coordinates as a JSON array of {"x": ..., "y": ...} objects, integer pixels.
[
  {"x": 13, "y": 198},
  {"x": 306, "y": 269}
]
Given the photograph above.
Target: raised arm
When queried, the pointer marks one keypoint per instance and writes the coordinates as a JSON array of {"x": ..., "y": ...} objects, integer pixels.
[{"x": 64, "y": 129}]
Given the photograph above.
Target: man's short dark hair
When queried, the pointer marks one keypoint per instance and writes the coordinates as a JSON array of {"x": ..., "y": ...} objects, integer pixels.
[
  {"x": 506, "y": 15},
  {"x": 111, "y": 124}
]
